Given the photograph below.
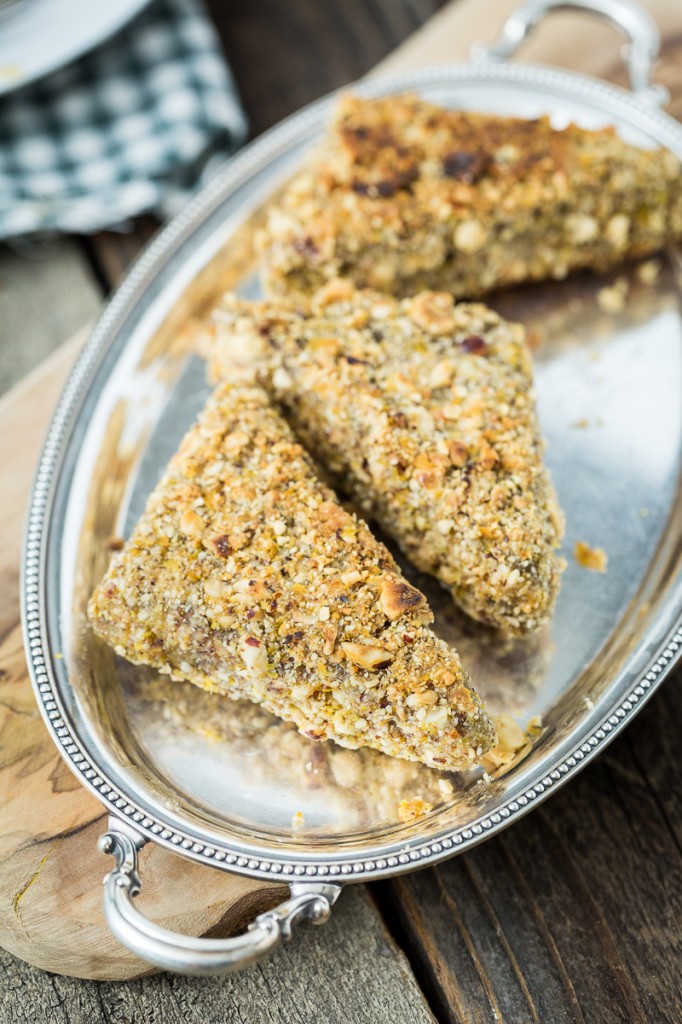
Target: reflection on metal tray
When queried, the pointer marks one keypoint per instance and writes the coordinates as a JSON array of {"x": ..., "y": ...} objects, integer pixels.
[{"x": 226, "y": 784}]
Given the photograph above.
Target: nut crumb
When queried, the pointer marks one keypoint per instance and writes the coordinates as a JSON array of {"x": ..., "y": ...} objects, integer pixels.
[
  {"x": 513, "y": 745},
  {"x": 367, "y": 656},
  {"x": 458, "y": 454},
  {"x": 408, "y": 810},
  {"x": 297, "y": 819},
  {"x": 535, "y": 339},
  {"x": 534, "y": 727},
  {"x": 611, "y": 298},
  {"x": 398, "y": 597},
  {"x": 595, "y": 559},
  {"x": 433, "y": 311},
  {"x": 649, "y": 271}
]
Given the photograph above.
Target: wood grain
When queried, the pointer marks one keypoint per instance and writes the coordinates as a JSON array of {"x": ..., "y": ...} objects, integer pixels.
[
  {"x": 112, "y": 252},
  {"x": 309, "y": 46},
  {"x": 347, "y": 972},
  {"x": 568, "y": 40},
  {"x": 35, "y": 277}
]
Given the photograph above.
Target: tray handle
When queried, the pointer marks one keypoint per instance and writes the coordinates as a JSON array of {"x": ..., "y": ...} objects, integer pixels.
[
  {"x": 640, "y": 53},
  {"x": 198, "y": 956}
]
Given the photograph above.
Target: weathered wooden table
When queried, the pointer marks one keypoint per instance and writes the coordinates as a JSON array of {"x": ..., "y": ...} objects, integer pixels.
[{"x": 572, "y": 915}]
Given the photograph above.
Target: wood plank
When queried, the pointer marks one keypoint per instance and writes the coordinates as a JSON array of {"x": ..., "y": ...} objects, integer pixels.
[
  {"x": 112, "y": 252},
  {"x": 568, "y": 40},
  {"x": 47, "y": 292},
  {"x": 24, "y": 415},
  {"x": 572, "y": 914},
  {"x": 348, "y": 971},
  {"x": 286, "y": 55}
]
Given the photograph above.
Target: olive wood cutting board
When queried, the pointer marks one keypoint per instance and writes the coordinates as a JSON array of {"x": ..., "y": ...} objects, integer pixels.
[{"x": 50, "y": 868}]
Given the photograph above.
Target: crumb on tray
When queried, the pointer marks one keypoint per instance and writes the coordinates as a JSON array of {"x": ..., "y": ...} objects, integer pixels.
[
  {"x": 611, "y": 298},
  {"x": 649, "y": 271},
  {"x": 513, "y": 745},
  {"x": 534, "y": 727},
  {"x": 408, "y": 810},
  {"x": 588, "y": 557},
  {"x": 446, "y": 788}
]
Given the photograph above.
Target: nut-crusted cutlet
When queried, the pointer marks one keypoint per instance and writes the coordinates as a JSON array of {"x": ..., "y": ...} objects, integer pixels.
[
  {"x": 404, "y": 195},
  {"x": 424, "y": 412},
  {"x": 246, "y": 577}
]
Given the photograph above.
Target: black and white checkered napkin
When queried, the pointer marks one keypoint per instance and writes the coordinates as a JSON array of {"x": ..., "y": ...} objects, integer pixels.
[{"x": 134, "y": 126}]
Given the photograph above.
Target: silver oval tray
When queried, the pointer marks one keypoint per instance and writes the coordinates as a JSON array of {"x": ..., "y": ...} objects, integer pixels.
[{"x": 224, "y": 783}]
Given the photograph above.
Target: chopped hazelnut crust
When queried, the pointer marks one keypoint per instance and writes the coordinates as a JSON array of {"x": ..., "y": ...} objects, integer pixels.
[
  {"x": 246, "y": 577},
  {"x": 404, "y": 195},
  {"x": 423, "y": 410}
]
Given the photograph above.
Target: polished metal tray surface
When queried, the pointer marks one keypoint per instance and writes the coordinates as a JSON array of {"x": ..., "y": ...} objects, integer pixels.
[{"x": 226, "y": 784}]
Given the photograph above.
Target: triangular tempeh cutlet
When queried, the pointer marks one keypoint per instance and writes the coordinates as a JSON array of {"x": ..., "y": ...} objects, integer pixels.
[
  {"x": 246, "y": 577},
  {"x": 424, "y": 412},
  {"x": 404, "y": 195}
]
